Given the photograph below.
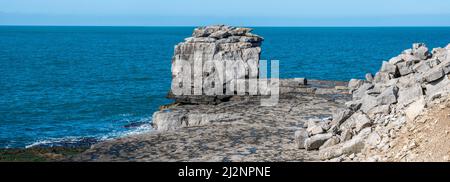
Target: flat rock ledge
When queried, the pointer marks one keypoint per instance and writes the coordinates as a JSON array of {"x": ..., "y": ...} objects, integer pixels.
[{"x": 237, "y": 130}]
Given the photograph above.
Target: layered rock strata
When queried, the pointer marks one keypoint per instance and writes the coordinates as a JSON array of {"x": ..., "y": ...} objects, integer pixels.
[{"x": 217, "y": 56}]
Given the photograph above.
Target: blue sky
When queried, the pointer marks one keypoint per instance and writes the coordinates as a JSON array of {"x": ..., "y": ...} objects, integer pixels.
[{"x": 234, "y": 12}]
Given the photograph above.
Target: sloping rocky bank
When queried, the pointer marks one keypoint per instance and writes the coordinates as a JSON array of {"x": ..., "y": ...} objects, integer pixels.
[
  {"x": 423, "y": 140},
  {"x": 381, "y": 105}
]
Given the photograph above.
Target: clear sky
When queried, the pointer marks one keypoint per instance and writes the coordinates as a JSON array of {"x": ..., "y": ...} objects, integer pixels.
[{"x": 234, "y": 12}]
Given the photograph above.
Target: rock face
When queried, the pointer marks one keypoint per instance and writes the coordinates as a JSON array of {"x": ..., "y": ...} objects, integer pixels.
[
  {"x": 381, "y": 105},
  {"x": 218, "y": 56}
]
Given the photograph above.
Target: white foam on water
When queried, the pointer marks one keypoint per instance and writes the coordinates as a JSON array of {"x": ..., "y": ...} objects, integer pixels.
[
  {"x": 50, "y": 141},
  {"x": 147, "y": 127},
  {"x": 138, "y": 130}
]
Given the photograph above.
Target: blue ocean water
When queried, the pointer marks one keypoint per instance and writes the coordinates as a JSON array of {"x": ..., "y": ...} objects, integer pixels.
[{"x": 68, "y": 84}]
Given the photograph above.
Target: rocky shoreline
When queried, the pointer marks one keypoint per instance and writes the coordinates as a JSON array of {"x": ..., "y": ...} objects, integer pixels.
[
  {"x": 245, "y": 132},
  {"x": 241, "y": 130},
  {"x": 376, "y": 119},
  {"x": 40, "y": 154},
  {"x": 313, "y": 120},
  {"x": 224, "y": 127}
]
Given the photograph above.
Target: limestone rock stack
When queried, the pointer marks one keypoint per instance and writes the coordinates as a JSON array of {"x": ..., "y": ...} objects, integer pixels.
[
  {"x": 211, "y": 46},
  {"x": 234, "y": 50},
  {"x": 381, "y": 104}
]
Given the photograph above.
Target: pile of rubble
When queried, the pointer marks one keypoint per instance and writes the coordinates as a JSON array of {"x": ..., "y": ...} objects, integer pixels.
[{"x": 381, "y": 105}]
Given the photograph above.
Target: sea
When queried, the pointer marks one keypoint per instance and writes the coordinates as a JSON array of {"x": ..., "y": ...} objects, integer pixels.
[{"x": 74, "y": 86}]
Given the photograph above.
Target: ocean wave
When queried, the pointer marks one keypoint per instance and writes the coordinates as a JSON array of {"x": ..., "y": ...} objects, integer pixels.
[
  {"x": 86, "y": 141},
  {"x": 70, "y": 141}
]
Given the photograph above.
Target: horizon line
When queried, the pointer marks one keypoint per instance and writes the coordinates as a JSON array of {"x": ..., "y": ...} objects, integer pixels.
[{"x": 256, "y": 26}]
